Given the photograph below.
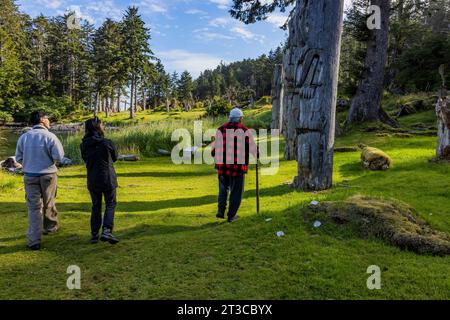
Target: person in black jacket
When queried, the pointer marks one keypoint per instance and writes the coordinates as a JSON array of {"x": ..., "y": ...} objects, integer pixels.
[{"x": 99, "y": 154}]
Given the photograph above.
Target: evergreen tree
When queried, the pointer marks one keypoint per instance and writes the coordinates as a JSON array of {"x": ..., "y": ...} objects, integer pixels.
[
  {"x": 107, "y": 58},
  {"x": 185, "y": 88},
  {"x": 136, "y": 50}
]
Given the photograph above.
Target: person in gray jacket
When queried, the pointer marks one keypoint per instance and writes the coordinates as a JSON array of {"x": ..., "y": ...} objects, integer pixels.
[{"x": 38, "y": 150}]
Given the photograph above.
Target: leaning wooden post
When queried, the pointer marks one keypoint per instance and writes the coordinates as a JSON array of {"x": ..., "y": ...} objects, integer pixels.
[
  {"x": 312, "y": 65},
  {"x": 443, "y": 115}
]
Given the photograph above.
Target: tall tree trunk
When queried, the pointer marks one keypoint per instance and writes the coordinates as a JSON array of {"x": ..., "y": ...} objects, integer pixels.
[
  {"x": 132, "y": 114},
  {"x": 102, "y": 104},
  {"x": 366, "y": 104},
  {"x": 106, "y": 106},
  {"x": 311, "y": 66},
  {"x": 167, "y": 105},
  {"x": 113, "y": 101},
  {"x": 144, "y": 100},
  {"x": 118, "y": 99},
  {"x": 136, "y": 106},
  {"x": 97, "y": 104},
  {"x": 277, "y": 97}
]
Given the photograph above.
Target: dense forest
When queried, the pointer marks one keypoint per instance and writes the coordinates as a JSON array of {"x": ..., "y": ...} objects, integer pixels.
[
  {"x": 45, "y": 63},
  {"x": 419, "y": 41},
  {"x": 239, "y": 81}
]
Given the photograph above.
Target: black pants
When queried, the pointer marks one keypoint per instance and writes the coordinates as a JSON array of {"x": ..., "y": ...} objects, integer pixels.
[
  {"x": 110, "y": 207},
  {"x": 235, "y": 187}
]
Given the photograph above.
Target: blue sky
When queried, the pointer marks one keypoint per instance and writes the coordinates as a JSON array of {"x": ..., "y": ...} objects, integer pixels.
[{"x": 188, "y": 35}]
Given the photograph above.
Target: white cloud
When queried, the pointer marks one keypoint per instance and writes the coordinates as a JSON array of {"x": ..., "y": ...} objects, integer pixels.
[
  {"x": 153, "y": 6},
  {"x": 180, "y": 60},
  {"x": 247, "y": 35},
  {"x": 278, "y": 20},
  {"x": 238, "y": 30},
  {"x": 196, "y": 11},
  {"x": 221, "y": 4},
  {"x": 220, "y": 22},
  {"x": 51, "y": 4},
  {"x": 206, "y": 34},
  {"x": 105, "y": 8},
  {"x": 78, "y": 13},
  {"x": 243, "y": 33}
]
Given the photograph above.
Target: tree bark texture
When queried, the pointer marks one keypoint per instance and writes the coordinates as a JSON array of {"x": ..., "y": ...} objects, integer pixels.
[
  {"x": 311, "y": 65},
  {"x": 366, "y": 104},
  {"x": 277, "y": 97}
]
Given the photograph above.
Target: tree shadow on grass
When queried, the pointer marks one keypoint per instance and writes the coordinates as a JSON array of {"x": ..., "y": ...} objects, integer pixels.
[
  {"x": 356, "y": 167},
  {"x": 143, "y": 230},
  {"x": 10, "y": 239},
  {"x": 149, "y": 206},
  {"x": 61, "y": 242},
  {"x": 160, "y": 174}
]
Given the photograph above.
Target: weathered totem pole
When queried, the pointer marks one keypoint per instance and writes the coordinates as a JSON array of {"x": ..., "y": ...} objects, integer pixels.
[
  {"x": 443, "y": 115},
  {"x": 311, "y": 65},
  {"x": 277, "y": 98}
]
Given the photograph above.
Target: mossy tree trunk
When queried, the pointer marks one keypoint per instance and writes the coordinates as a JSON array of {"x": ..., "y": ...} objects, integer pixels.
[{"x": 311, "y": 65}]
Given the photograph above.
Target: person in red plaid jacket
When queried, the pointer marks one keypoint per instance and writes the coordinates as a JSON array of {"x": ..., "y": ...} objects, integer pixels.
[{"x": 231, "y": 148}]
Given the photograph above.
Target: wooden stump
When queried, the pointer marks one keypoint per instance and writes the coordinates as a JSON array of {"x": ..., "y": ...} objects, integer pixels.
[{"x": 311, "y": 66}]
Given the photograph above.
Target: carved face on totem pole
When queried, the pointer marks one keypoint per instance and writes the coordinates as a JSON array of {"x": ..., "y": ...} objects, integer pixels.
[{"x": 307, "y": 79}]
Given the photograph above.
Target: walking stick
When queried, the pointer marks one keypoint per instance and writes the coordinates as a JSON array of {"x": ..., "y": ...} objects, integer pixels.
[{"x": 257, "y": 186}]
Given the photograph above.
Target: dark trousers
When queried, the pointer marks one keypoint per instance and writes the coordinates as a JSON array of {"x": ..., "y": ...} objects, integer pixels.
[
  {"x": 110, "y": 207},
  {"x": 233, "y": 186}
]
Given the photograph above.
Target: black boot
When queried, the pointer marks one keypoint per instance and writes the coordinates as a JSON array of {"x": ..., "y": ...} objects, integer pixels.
[
  {"x": 35, "y": 247},
  {"x": 94, "y": 238},
  {"x": 107, "y": 236},
  {"x": 220, "y": 215}
]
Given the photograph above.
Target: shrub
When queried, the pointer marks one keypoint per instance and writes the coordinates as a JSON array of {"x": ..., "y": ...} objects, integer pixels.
[
  {"x": 55, "y": 107},
  {"x": 264, "y": 101},
  {"x": 199, "y": 105},
  {"x": 5, "y": 118},
  {"x": 219, "y": 107}
]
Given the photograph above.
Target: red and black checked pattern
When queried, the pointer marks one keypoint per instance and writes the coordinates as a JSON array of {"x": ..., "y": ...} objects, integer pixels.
[{"x": 231, "y": 148}]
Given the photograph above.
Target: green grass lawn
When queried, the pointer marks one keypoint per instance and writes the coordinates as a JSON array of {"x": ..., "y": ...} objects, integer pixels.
[{"x": 172, "y": 246}]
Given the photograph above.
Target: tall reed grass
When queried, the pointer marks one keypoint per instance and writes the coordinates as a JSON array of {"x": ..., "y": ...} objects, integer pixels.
[{"x": 145, "y": 139}]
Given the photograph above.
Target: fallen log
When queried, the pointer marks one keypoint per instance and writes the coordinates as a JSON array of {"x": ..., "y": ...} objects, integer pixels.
[
  {"x": 164, "y": 152},
  {"x": 128, "y": 157}
]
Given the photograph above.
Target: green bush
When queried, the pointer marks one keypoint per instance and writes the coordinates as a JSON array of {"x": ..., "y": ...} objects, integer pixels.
[
  {"x": 199, "y": 105},
  {"x": 55, "y": 107},
  {"x": 219, "y": 107},
  {"x": 264, "y": 101},
  {"x": 5, "y": 118}
]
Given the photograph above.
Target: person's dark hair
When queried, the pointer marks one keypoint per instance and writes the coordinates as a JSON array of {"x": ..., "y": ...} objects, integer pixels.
[
  {"x": 36, "y": 116},
  {"x": 93, "y": 127}
]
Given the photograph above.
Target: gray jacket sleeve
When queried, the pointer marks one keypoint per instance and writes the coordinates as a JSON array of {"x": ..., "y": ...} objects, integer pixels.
[
  {"x": 19, "y": 151},
  {"x": 56, "y": 149}
]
